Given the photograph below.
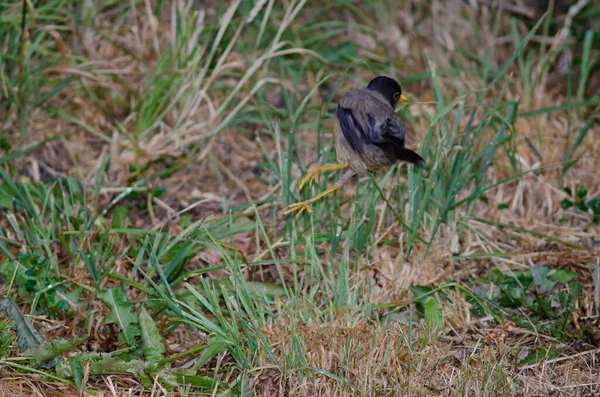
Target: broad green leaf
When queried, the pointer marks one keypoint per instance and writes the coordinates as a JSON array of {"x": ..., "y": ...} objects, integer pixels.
[
  {"x": 122, "y": 313},
  {"x": 77, "y": 369},
  {"x": 107, "y": 364},
  {"x": 562, "y": 275},
  {"x": 154, "y": 350},
  {"x": 434, "y": 316},
  {"x": 199, "y": 381},
  {"x": 27, "y": 336},
  {"x": 50, "y": 349}
]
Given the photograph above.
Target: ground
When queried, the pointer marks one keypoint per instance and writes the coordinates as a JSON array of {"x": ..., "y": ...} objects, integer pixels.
[{"x": 150, "y": 149}]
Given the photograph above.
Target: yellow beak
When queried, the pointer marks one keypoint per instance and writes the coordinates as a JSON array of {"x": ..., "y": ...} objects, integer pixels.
[{"x": 403, "y": 99}]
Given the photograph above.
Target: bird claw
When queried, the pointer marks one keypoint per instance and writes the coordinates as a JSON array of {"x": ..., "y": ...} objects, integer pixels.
[
  {"x": 313, "y": 175},
  {"x": 299, "y": 208},
  {"x": 308, "y": 179}
]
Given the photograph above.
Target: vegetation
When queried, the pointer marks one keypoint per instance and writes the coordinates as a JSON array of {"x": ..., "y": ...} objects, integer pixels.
[{"x": 149, "y": 149}]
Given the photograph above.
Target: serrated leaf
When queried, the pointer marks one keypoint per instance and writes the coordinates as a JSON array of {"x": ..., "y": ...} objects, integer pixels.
[
  {"x": 50, "y": 349},
  {"x": 27, "y": 336},
  {"x": 154, "y": 350},
  {"x": 107, "y": 364},
  {"x": 122, "y": 313}
]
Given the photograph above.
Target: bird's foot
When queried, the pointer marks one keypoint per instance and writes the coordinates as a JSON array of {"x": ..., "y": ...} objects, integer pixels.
[
  {"x": 313, "y": 175},
  {"x": 310, "y": 177},
  {"x": 300, "y": 207},
  {"x": 306, "y": 205}
]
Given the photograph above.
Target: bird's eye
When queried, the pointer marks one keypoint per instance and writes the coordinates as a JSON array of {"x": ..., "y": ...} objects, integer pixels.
[{"x": 396, "y": 96}]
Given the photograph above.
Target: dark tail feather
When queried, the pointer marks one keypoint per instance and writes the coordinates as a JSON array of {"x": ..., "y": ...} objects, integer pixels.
[
  {"x": 394, "y": 147},
  {"x": 404, "y": 154}
]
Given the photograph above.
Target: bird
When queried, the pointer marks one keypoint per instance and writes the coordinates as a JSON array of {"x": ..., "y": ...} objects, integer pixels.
[{"x": 368, "y": 136}]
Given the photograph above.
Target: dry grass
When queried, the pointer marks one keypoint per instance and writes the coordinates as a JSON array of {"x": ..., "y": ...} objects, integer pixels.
[{"x": 351, "y": 354}]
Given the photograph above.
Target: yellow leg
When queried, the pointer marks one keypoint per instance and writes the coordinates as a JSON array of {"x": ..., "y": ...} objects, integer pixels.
[
  {"x": 305, "y": 205},
  {"x": 313, "y": 174}
]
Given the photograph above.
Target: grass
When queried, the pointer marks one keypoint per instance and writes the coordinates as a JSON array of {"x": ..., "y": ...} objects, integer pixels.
[{"x": 151, "y": 147}]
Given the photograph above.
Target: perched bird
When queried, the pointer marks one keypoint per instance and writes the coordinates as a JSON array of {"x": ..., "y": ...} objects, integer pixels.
[{"x": 368, "y": 135}]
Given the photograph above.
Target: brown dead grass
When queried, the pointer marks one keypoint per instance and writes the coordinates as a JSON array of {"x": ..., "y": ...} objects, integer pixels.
[
  {"x": 469, "y": 358},
  {"x": 378, "y": 360}
]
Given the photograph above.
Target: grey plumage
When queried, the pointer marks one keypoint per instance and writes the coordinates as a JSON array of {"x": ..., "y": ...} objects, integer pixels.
[
  {"x": 368, "y": 135},
  {"x": 368, "y": 132}
]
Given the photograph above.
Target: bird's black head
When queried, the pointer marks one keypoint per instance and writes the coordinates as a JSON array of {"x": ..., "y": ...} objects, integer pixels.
[{"x": 389, "y": 88}]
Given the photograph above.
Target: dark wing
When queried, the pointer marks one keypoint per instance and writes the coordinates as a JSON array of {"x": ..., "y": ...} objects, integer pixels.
[
  {"x": 390, "y": 139},
  {"x": 353, "y": 131}
]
